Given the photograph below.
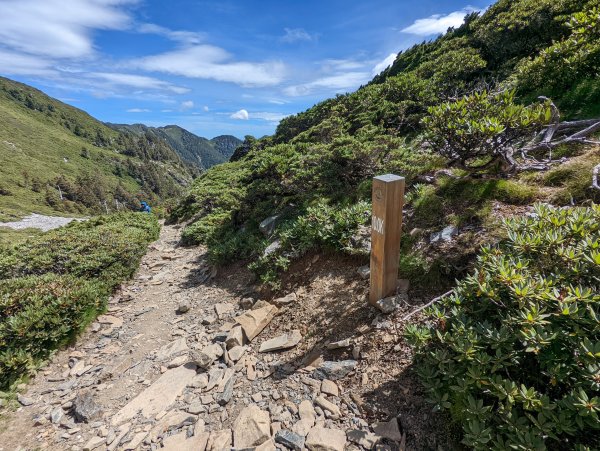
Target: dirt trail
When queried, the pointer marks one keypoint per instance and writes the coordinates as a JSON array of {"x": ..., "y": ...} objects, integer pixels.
[{"x": 164, "y": 368}]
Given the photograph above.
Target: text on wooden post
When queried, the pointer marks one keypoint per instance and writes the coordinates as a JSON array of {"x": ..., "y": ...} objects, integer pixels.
[{"x": 386, "y": 225}]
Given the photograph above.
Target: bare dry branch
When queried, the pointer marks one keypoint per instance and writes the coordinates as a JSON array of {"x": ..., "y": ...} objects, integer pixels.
[
  {"x": 423, "y": 307},
  {"x": 595, "y": 177}
]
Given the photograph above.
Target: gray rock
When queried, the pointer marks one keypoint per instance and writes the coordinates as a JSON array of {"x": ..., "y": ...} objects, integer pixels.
[
  {"x": 246, "y": 303},
  {"x": 223, "y": 398},
  {"x": 56, "y": 415},
  {"x": 364, "y": 272},
  {"x": 284, "y": 341},
  {"x": 207, "y": 356},
  {"x": 85, "y": 408},
  {"x": 334, "y": 370},
  {"x": 220, "y": 337},
  {"x": 444, "y": 235},
  {"x": 290, "y": 439},
  {"x": 272, "y": 248},
  {"x": 208, "y": 320},
  {"x": 388, "y": 305},
  {"x": 196, "y": 408},
  {"x": 339, "y": 344},
  {"x": 288, "y": 299},
  {"x": 24, "y": 401},
  {"x": 389, "y": 430},
  {"x": 184, "y": 307},
  {"x": 267, "y": 226}
]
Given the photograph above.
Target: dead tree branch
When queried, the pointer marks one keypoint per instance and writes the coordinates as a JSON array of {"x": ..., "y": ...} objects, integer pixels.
[{"x": 595, "y": 177}]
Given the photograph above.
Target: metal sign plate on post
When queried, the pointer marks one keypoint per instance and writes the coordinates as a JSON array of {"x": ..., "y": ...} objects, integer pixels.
[{"x": 386, "y": 225}]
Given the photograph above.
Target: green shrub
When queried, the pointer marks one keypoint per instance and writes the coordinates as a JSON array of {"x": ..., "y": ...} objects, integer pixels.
[
  {"x": 482, "y": 129},
  {"x": 514, "y": 353},
  {"x": 105, "y": 247},
  {"x": 52, "y": 285},
  {"x": 40, "y": 313}
]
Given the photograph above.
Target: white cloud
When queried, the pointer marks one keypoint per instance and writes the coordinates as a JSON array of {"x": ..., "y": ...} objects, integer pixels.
[
  {"x": 138, "y": 81},
  {"x": 210, "y": 62},
  {"x": 298, "y": 34},
  {"x": 268, "y": 116},
  {"x": 338, "y": 82},
  {"x": 205, "y": 108},
  {"x": 186, "y": 105},
  {"x": 138, "y": 110},
  {"x": 241, "y": 115},
  {"x": 186, "y": 37},
  {"x": 54, "y": 29},
  {"x": 18, "y": 64},
  {"x": 438, "y": 23},
  {"x": 387, "y": 62}
]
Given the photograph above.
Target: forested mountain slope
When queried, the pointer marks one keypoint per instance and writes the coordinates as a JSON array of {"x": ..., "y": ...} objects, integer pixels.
[
  {"x": 196, "y": 150},
  {"x": 49, "y": 149},
  {"x": 483, "y": 122}
]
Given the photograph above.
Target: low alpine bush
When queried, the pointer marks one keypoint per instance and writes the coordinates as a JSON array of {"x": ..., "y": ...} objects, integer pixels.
[{"x": 514, "y": 353}]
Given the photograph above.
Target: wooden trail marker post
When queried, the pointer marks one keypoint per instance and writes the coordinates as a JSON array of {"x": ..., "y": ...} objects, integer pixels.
[{"x": 386, "y": 225}]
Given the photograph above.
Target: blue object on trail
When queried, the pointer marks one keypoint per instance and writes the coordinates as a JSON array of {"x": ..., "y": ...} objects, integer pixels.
[{"x": 144, "y": 207}]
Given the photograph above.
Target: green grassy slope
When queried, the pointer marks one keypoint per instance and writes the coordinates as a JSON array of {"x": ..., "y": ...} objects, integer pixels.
[{"x": 45, "y": 143}]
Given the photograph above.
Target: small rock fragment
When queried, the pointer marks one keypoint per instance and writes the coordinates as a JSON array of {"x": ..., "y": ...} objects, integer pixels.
[
  {"x": 251, "y": 428},
  {"x": 330, "y": 388},
  {"x": 334, "y": 370},
  {"x": 85, "y": 408},
  {"x": 290, "y": 439},
  {"x": 284, "y": 341},
  {"x": 324, "y": 439}
]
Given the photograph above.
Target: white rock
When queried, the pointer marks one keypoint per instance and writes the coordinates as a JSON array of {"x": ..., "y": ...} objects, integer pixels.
[
  {"x": 93, "y": 443},
  {"x": 251, "y": 428},
  {"x": 323, "y": 439},
  {"x": 284, "y": 341},
  {"x": 172, "y": 349}
]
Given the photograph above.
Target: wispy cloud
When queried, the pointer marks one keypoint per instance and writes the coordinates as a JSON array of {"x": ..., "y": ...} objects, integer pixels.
[
  {"x": 387, "y": 62},
  {"x": 186, "y": 37},
  {"x": 51, "y": 28},
  {"x": 268, "y": 116},
  {"x": 186, "y": 105},
  {"x": 298, "y": 34},
  {"x": 240, "y": 115},
  {"x": 138, "y": 110},
  {"x": 438, "y": 23},
  {"x": 138, "y": 81},
  {"x": 211, "y": 62}
]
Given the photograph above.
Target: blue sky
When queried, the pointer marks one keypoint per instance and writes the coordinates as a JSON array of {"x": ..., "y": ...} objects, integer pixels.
[{"x": 212, "y": 67}]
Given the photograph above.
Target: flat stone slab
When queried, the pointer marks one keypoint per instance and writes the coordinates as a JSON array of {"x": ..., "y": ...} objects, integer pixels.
[
  {"x": 159, "y": 396},
  {"x": 180, "y": 442},
  {"x": 254, "y": 321},
  {"x": 284, "y": 341},
  {"x": 172, "y": 349}
]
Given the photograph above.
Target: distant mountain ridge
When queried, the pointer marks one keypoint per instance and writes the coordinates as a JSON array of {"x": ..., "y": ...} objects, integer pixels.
[{"x": 201, "y": 152}]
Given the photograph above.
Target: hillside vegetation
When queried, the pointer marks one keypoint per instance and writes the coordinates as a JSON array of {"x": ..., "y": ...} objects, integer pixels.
[
  {"x": 198, "y": 151},
  {"x": 53, "y": 285},
  {"x": 49, "y": 149},
  {"x": 513, "y": 354}
]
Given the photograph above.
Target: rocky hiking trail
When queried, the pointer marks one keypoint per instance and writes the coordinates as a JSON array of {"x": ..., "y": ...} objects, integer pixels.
[{"x": 191, "y": 358}]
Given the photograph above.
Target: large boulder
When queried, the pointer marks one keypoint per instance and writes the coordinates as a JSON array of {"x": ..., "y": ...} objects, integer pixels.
[{"x": 251, "y": 428}]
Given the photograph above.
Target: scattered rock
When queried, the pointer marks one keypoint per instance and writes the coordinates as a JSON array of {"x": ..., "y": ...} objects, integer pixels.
[
  {"x": 235, "y": 337},
  {"x": 224, "y": 397},
  {"x": 365, "y": 439},
  {"x": 251, "y": 428},
  {"x": 113, "y": 321},
  {"x": 94, "y": 443},
  {"x": 389, "y": 430},
  {"x": 339, "y": 344},
  {"x": 56, "y": 415},
  {"x": 334, "y": 370},
  {"x": 290, "y": 439},
  {"x": 219, "y": 440},
  {"x": 269, "y": 445},
  {"x": 85, "y": 408},
  {"x": 178, "y": 361},
  {"x": 223, "y": 308},
  {"x": 267, "y": 226},
  {"x": 24, "y": 401},
  {"x": 159, "y": 396},
  {"x": 184, "y": 307},
  {"x": 246, "y": 303},
  {"x": 196, "y": 408},
  {"x": 327, "y": 405},
  {"x": 254, "y": 321},
  {"x": 288, "y": 299},
  {"x": 207, "y": 356},
  {"x": 135, "y": 441},
  {"x": 181, "y": 442},
  {"x": 388, "y": 305},
  {"x": 307, "y": 411},
  {"x": 284, "y": 341},
  {"x": 324, "y": 439},
  {"x": 172, "y": 349},
  {"x": 364, "y": 272},
  {"x": 444, "y": 235},
  {"x": 272, "y": 248},
  {"x": 402, "y": 285},
  {"x": 236, "y": 353},
  {"x": 330, "y": 388}
]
